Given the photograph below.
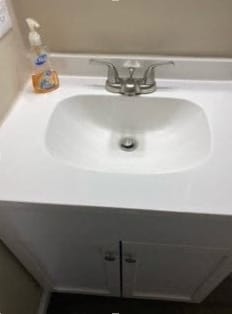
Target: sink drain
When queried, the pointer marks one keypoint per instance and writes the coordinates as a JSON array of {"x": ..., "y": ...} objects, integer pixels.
[{"x": 128, "y": 144}]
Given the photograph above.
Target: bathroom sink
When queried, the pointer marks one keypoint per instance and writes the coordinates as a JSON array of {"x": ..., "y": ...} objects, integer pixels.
[{"x": 134, "y": 135}]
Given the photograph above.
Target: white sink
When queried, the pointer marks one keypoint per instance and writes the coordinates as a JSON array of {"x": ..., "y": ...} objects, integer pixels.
[{"x": 170, "y": 135}]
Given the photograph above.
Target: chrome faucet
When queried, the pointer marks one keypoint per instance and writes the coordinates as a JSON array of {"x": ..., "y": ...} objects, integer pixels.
[{"x": 130, "y": 86}]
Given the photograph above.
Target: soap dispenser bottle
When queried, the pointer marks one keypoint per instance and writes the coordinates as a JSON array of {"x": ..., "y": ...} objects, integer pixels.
[{"x": 44, "y": 78}]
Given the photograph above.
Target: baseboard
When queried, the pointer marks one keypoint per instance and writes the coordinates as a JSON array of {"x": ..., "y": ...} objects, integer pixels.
[{"x": 44, "y": 301}]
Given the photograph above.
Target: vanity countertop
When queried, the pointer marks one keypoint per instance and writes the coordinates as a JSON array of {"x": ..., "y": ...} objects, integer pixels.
[{"x": 29, "y": 173}]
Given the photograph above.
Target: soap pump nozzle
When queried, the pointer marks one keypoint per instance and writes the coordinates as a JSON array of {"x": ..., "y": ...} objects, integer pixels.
[{"x": 34, "y": 36}]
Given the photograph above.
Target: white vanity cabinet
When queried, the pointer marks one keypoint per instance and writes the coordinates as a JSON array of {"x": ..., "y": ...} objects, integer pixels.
[{"x": 115, "y": 252}]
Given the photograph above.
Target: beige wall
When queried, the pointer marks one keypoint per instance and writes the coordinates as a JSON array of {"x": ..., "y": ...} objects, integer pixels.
[
  {"x": 13, "y": 68},
  {"x": 173, "y": 27},
  {"x": 19, "y": 293}
]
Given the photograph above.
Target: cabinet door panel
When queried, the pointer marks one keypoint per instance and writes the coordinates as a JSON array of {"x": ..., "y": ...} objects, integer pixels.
[
  {"x": 172, "y": 272},
  {"x": 86, "y": 270},
  {"x": 68, "y": 246}
]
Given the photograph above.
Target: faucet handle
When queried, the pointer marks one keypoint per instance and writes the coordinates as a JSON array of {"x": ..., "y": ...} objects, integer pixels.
[
  {"x": 113, "y": 76},
  {"x": 149, "y": 75}
]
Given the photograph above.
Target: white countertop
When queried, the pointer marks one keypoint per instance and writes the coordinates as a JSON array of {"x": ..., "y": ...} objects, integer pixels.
[{"x": 28, "y": 172}]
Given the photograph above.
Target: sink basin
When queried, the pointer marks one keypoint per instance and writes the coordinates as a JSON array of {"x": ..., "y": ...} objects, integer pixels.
[{"x": 134, "y": 135}]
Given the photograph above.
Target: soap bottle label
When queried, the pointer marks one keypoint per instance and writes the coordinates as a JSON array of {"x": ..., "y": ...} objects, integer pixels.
[
  {"x": 45, "y": 81},
  {"x": 41, "y": 59}
]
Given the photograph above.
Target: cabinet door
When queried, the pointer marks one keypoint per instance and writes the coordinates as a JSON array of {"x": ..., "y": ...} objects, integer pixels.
[
  {"x": 90, "y": 269},
  {"x": 172, "y": 272},
  {"x": 76, "y": 250}
]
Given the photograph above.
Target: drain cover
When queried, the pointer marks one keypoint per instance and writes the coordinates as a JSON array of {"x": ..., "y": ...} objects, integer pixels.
[{"x": 128, "y": 144}]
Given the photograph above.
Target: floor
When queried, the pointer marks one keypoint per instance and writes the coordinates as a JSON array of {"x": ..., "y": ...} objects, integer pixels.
[{"x": 219, "y": 302}]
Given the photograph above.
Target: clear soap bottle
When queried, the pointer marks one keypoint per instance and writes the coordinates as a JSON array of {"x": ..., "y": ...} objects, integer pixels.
[{"x": 44, "y": 78}]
